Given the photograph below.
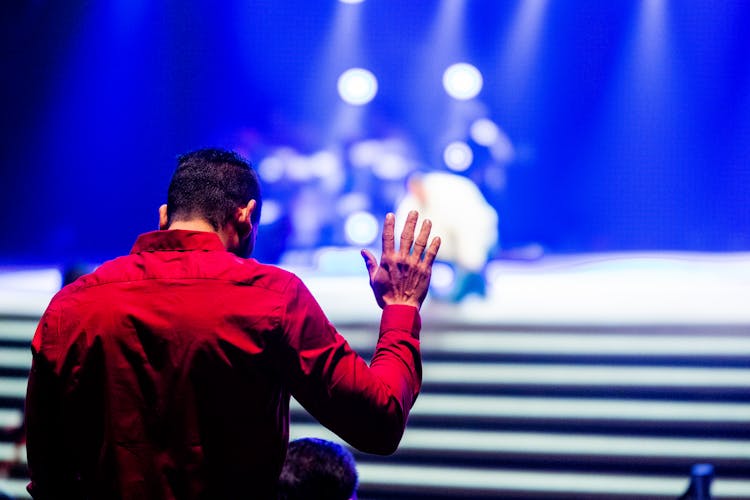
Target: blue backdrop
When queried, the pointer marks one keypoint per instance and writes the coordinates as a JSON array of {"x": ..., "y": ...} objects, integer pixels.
[{"x": 630, "y": 120}]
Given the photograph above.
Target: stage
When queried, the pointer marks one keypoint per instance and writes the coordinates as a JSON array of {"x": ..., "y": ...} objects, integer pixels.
[
  {"x": 577, "y": 376},
  {"x": 598, "y": 289}
]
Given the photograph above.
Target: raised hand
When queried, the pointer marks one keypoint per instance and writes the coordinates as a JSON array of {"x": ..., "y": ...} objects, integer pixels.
[{"x": 403, "y": 276}]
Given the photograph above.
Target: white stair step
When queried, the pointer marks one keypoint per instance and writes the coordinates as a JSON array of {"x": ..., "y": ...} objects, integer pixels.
[
  {"x": 402, "y": 477},
  {"x": 545, "y": 443},
  {"x": 575, "y": 409},
  {"x": 583, "y": 375},
  {"x": 565, "y": 343}
]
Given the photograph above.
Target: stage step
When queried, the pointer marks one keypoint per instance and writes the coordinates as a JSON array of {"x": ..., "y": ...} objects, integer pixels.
[
  {"x": 560, "y": 412},
  {"x": 549, "y": 411}
]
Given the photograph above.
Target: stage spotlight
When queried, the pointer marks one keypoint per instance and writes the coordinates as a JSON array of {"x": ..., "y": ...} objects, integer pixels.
[
  {"x": 365, "y": 153},
  {"x": 458, "y": 156},
  {"x": 351, "y": 1},
  {"x": 443, "y": 278},
  {"x": 391, "y": 166},
  {"x": 352, "y": 202},
  {"x": 484, "y": 132},
  {"x": 324, "y": 164},
  {"x": 357, "y": 86},
  {"x": 361, "y": 228},
  {"x": 272, "y": 212},
  {"x": 462, "y": 81},
  {"x": 271, "y": 169}
]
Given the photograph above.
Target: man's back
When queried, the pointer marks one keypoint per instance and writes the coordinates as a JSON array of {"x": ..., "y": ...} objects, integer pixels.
[{"x": 164, "y": 378}]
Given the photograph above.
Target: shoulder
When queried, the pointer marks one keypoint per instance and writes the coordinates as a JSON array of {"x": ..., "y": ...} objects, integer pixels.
[
  {"x": 206, "y": 267},
  {"x": 250, "y": 271}
]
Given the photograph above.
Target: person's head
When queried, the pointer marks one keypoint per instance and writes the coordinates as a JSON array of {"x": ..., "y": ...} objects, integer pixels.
[
  {"x": 316, "y": 469},
  {"x": 218, "y": 188}
]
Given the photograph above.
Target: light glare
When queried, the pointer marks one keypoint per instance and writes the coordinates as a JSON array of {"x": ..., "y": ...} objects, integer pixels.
[
  {"x": 458, "y": 156},
  {"x": 484, "y": 132},
  {"x": 391, "y": 166},
  {"x": 357, "y": 86},
  {"x": 271, "y": 169},
  {"x": 271, "y": 213},
  {"x": 443, "y": 277},
  {"x": 361, "y": 228},
  {"x": 462, "y": 81}
]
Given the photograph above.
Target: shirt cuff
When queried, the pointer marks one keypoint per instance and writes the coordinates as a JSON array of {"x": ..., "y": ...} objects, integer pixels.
[{"x": 401, "y": 318}]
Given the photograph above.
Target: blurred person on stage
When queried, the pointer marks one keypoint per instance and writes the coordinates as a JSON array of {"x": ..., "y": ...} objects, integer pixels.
[
  {"x": 467, "y": 224},
  {"x": 167, "y": 373}
]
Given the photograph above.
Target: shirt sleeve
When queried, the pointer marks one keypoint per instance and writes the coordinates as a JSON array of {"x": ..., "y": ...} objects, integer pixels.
[
  {"x": 367, "y": 406},
  {"x": 44, "y": 430}
]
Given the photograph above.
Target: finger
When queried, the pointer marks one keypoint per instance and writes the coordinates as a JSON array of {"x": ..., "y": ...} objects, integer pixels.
[
  {"x": 429, "y": 256},
  {"x": 407, "y": 235},
  {"x": 421, "y": 242},
  {"x": 389, "y": 244},
  {"x": 370, "y": 262}
]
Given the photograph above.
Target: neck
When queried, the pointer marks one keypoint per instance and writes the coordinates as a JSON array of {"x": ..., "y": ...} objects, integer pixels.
[{"x": 200, "y": 225}]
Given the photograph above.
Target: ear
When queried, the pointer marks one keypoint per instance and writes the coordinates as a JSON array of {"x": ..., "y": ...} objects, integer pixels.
[
  {"x": 163, "y": 219},
  {"x": 245, "y": 213}
]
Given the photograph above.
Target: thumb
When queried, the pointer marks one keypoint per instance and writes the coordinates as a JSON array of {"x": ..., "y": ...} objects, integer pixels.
[{"x": 370, "y": 262}]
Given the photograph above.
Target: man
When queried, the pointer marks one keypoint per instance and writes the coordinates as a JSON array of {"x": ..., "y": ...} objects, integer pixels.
[
  {"x": 166, "y": 373},
  {"x": 316, "y": 469}
]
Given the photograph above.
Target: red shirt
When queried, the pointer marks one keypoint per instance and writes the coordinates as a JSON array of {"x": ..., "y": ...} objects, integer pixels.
[{"x": 166, "y": 374}]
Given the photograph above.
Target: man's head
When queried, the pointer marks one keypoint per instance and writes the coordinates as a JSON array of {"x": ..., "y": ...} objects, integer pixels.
[
  {"x": 218, "y": 188},
  {"x": 316, "y": 469}
]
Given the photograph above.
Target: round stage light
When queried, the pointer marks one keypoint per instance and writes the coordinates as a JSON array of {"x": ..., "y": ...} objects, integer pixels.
[
  {"x": 484, "y": 132},
  {"x": 271, "y": 169},
  {"x": 443, "y": 278},
  {"x": 462, "y": 81},
  {"x": 357, "y": 86},
  {"x": 361, "y": 228},
  {"x": 391, "y": 166},
  {"x": 458, "y": 156},
  {"x": 272, "y": 212}
]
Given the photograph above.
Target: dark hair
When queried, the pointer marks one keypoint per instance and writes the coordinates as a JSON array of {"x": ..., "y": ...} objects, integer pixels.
[
  {"x": 316, "y": 469},
  {"x": 211, "y": 184}
]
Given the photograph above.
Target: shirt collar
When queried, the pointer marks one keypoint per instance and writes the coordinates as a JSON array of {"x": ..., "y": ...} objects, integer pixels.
[{"x": 177, "y": 240}]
